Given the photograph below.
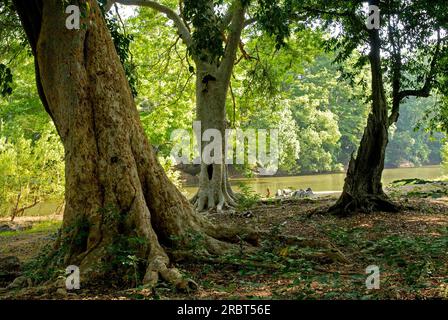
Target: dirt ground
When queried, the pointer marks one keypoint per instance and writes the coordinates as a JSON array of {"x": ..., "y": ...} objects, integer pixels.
[{"x": 319, "y": 257}]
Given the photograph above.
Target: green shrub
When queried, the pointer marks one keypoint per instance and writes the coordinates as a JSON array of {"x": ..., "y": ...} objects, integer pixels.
[{"x": 32, "y": 170}]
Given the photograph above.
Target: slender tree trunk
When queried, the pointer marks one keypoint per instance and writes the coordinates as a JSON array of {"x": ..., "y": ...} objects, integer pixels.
[
  {"x": 363, "y": 190},
  {"x": 212, "y": 86},
  {"x": 211, "y": 92},
  {"x": 116, "y": 191}
]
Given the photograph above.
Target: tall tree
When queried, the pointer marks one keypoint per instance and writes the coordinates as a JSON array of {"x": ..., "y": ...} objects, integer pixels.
[
  {"x": 116, "y": 191},
  {"x": 411, "y": 39}
]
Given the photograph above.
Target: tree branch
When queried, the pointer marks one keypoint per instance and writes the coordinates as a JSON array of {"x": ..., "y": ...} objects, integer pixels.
[
  {"x": 233, "y": 41},
  {"x": 425, "y": 90},
  {"x": 249, "y": 21},
  {"x": 227, "y": 18},
  {"x": 170, "y": 13},
  {"x": 339, "y": 14},
  {"x": 243, "y": 51},
  {"x": 396, "y": 73}
]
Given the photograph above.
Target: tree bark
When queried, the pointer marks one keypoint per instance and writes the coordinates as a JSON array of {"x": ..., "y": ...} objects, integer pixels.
[
  {"x": 212, "y": 86},
  {"x": 214, "y": 188},
  {"x": 363, "y": 190},
  {"x": 115, "y": 187}
]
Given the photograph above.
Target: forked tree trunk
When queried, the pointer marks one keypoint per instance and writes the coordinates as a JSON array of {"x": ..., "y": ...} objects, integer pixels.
[
  {"x": 363, "y": 190},
  {"x": 115, "y": 187},
  {"x": 212, "y": 85},
  {"x": 211, "y": 92}
]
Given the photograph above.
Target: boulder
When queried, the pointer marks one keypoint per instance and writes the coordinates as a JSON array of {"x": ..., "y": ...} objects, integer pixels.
[
  {"x": 298, "y": 193},
  {"x": 303, "y": 193},
  {"x": 5, "y": 228},
  {"x": 286, "y": 193},
  {"x": 309, "y": 192},
  {"x": 15, "y": 227}
]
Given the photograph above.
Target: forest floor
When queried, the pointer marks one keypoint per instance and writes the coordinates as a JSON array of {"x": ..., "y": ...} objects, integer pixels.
[{"x": 410, "y": 249}]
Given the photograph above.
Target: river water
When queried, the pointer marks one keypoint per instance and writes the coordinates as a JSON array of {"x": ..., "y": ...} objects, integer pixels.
[
  {"x": 326, "y": 183},
  {"x": 320, "y": 183}
]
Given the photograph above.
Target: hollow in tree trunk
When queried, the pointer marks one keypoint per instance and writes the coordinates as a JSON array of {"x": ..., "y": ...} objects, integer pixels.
[
  {"x": 214, "y": 187},
  {"x": 212, "y": 85}
]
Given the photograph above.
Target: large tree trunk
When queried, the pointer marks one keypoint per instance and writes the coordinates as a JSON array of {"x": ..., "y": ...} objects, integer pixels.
[
  {"x": 363, "y": 190},
  {"x": 212, "y": 85},
  {"x": 117, "y": 194},
  {"x": 211, "y": 92}
]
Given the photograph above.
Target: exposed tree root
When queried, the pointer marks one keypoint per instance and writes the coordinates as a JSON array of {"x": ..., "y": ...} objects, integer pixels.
[
  {"x": 348, "y": 205},
  {"x": 318, "y": 211},
  {"x": 369, "y": 203},
  {"x": 214, "y": 199},
  {"x": 328, "y": 254},
  {"x": 158, "y": 266},
  {"x": 215, "y": 192},
  {"x": 208, "y": 240}
]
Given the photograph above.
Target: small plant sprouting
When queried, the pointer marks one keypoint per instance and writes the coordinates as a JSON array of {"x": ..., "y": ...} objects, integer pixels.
[{"x": 248, "y": 198}]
